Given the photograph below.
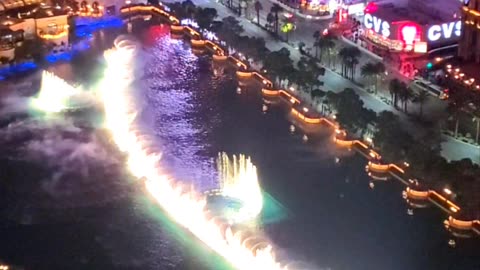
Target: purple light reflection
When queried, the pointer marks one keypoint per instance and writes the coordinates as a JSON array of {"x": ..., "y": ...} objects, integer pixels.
[{"x": 171, "y": 73}]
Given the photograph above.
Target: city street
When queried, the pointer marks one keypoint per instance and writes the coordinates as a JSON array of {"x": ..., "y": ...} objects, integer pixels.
[{"x": 452, "y": 149}]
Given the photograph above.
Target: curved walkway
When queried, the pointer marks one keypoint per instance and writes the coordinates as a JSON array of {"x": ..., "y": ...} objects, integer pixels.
[{"x": 308, "y": 115}]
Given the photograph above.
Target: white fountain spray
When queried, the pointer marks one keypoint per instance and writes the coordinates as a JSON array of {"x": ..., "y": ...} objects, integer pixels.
[
  {"x": 186, "y": 207},
  {"x": 54, "y": 94},
  {"x": 239, "y": 180}
]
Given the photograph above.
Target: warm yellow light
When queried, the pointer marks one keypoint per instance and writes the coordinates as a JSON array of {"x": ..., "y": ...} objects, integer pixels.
[
  {"x": 54, "y": 94},
  {"x": 305, "y": 109},
  {"x": 186, "y": 207},
  {"x": 447, "y": 191},
  {"x": 54, "y": 36},
  {"x": 239, "y": 180}
]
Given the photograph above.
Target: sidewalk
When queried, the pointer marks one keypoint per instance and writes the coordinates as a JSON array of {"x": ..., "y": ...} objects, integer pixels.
[{"x": 334, "y": 82}]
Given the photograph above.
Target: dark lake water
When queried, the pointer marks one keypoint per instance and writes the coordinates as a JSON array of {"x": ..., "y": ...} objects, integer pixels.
[{"x": 66, "y": 203}]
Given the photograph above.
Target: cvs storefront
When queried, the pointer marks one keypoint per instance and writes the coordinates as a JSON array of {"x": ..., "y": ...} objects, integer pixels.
[{"x": 408, "y": 35}]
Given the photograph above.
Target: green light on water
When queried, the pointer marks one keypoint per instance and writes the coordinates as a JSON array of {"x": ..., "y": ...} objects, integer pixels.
[
  {"x": 273, "y": 211},
  {"x": 195, "y": 249}
]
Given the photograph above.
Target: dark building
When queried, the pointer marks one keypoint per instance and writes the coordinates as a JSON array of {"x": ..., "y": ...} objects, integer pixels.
[{"x": 469, "y": 45}]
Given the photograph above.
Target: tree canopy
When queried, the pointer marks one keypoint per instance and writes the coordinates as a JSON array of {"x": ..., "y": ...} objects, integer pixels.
[
  {"x": 350, "y": 110},
  {"x": 278, "y": 63}
]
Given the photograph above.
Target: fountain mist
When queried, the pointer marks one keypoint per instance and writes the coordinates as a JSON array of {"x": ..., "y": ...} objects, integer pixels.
[
  {"x": 239, "y": 180},
  {"x": 186, "y": 207}
]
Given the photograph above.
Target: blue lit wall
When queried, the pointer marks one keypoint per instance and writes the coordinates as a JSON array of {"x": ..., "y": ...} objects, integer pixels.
[
  {"x": 16, "y": 69},
  {"x": 86, "y": 26},
  {"x": 84, "y": 29}
]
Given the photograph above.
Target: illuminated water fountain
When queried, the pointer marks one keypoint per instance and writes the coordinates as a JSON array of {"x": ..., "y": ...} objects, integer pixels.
[
  {"x": 57, "y": 95},
  {"x": 239, "y": 181},
  {"x": 185, "y": 206}
]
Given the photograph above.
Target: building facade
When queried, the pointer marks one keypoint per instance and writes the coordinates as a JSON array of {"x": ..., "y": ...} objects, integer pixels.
[
  {"x": 469, "y": 45},
  {"x": 410, "y": 28}
]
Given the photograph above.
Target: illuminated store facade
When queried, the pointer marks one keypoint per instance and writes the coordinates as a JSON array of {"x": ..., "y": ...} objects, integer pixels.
[{"x": 407, "y": 35}]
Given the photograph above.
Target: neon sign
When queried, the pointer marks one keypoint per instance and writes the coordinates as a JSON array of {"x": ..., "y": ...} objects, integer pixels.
[
  {"x": 444, "y": 31},
  {"x": 378, "y": 25},
  {"x": 409, "y": 33}
]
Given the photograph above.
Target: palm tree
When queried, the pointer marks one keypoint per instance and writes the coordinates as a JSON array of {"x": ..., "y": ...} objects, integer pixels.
[
  {"x": 355, "y": 53},
  {"x": 372, "y": 71},
  {"x": 406, "y": 94},
  {"x": 476, "y": 119},
  {"x": 368, "y": 71},
  {"x": 325, "y": 42},
  {"x": 258, "y": 7},
  {"x": 455, "y": 109},
  {"x": 344, "y": 56},
  {"x": 316, "y": 36},
  {"x": 332, "y": 52},
  {"x": 394, "y": 87},
  {"x": 301, "y": 45},
  {"x": 353, "y": 64},
  {"x": 422, "y": 98},
  {"x": 380, "y": 67},
  {"x": 270, "y": 20},
  {"x": 349, "y": 57},
  {"x": 276, "y": 8}
]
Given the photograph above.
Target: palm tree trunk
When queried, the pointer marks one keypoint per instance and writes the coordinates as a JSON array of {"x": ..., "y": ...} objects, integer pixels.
[
  {"x": 478, "y": 129},
  {"x": 421, "y": 109},
  {"x": 456, "y": 127},
  {"x": 258, "y": 17}
]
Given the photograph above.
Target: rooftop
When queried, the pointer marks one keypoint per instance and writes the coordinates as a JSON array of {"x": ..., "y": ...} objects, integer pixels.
[
  {"x": 34, "y": 11},
  {"x": 420, "y": 12},
  {"x": 11, "y": 4}
]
